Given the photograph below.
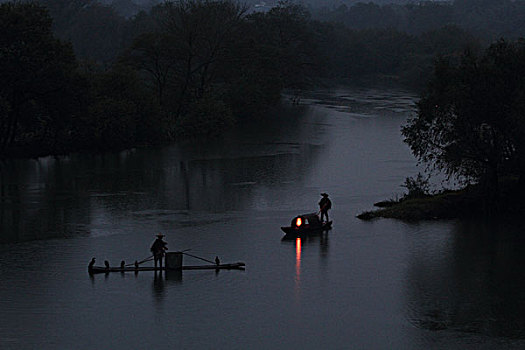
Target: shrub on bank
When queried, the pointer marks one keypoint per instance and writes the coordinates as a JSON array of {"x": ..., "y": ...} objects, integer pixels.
[{"x": 469, "y": 202}]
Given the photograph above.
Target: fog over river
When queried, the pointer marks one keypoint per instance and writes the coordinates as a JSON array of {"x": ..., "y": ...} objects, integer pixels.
[{"x": 383, "y": 284}]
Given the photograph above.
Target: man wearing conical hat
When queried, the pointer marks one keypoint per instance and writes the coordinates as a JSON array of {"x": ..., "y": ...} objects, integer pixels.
[
  {"x": 324, "y": 205},
  {"x": 158, "y": 248}
]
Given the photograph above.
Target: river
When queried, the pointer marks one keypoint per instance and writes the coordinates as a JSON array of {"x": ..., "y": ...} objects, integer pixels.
[{"x": 383, "y": 284}]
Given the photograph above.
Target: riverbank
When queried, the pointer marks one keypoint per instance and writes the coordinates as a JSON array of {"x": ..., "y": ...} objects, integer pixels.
[{"x": 469, "y": 202}]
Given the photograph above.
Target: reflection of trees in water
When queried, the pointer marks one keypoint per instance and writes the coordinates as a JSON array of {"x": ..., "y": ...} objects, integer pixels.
[
  {"x": 224, "y": 175},
  {"x": 58, "y": 197},
  {"x": 38, "y": 199},
  {"x": 474, "y": 285},
  {"x": 230, "y": 184}
]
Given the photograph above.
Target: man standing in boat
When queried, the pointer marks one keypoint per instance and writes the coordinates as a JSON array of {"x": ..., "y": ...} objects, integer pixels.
[
  {"x": 158, "y": 248},
  {"x": 324, "y": 205}
]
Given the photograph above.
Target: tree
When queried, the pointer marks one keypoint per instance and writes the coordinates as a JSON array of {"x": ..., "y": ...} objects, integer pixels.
[
  {"x": 97, "y": 32},
  {"x": 121, "y": 113},
  {"x": 288, "y": 28},
  {"x": 35, "y": 69},
  {"x": 505, "y": 65},
  {"x": 152, "y": 53},
  {"x": 470, "y": 119},
  {"x": 289, "y": 33},
  {"x": 203, "y": 30},
  {"x": 184, "y": 58}
]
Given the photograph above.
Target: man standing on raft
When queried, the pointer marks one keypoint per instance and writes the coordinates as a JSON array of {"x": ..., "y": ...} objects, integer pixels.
[{"x": 158, "y": 248}]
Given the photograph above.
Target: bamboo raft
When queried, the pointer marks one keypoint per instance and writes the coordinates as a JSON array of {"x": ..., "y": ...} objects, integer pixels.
[{"x": 232, "y": 266}]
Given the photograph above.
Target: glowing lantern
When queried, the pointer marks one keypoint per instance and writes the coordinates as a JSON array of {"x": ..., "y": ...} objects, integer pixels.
[{"x": 298, "y": 222}]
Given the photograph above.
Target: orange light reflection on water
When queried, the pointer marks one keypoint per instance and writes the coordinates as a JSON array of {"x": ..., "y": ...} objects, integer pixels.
[{"x": 297, "y": 259}]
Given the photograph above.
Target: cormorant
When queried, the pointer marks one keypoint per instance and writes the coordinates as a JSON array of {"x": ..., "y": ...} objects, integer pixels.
[{"x": 91, "y": 263}]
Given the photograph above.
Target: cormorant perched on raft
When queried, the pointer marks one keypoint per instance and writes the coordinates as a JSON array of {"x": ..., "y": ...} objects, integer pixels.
[
  {"x": 106, "y": 263},
  {"x": 91, "y": 263},
  {"x": 122, "y": 264},
  {"x": 217, "y": 261}
]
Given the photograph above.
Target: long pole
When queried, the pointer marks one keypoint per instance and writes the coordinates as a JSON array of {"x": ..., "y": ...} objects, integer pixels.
[{"x": 198, "y": 257}]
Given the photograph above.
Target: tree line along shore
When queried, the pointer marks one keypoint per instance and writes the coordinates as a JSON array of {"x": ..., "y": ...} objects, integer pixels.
[{"x": 77, "y": 77}]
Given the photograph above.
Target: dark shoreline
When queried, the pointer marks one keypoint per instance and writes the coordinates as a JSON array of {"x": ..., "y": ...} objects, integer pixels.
[{"x": 469, "y": 202}]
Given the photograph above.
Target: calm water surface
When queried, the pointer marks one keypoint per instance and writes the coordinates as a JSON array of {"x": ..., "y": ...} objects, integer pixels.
[{"x": 383, "y": 284}]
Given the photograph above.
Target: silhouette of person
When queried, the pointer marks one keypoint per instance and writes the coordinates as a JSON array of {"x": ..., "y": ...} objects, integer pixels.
[
  {"x": 158, "y": 248},
  {"x": 324, "y": 205}
]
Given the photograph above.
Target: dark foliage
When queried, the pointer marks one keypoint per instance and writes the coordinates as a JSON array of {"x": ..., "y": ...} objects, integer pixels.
[
  {"x": 470, "y": 118},
  {"x": 120, "y": 113},
  {"x": 186, "y": 67},
  {"x": 417, "y": 187},
  {"x": 37, "y": 75}
]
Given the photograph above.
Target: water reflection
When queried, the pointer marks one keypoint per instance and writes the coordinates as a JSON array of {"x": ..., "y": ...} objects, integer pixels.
[
  {"x": 76, "y": 195},
  {"x": 161, "y": 282},
  {"x": 297, "y": 268},
  {"x": 25, "y": 206},
  {"x": 311, "y": 239},
  {"x": 158, "y": 286},
  {"x": 300, "y": 244},
  {"x": 173, "y": 276},
  {"x": 297, "y": 261},
  {"x": 475, "y": 284}
]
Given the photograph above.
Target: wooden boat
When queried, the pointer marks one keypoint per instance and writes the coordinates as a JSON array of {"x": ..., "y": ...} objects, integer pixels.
[
  {"x": 102, "y": 269},
  {"x": 306, "y": 224}
]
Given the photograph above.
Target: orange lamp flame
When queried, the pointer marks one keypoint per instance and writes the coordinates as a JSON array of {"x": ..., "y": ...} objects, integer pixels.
[{"x": 298, "y": 222}]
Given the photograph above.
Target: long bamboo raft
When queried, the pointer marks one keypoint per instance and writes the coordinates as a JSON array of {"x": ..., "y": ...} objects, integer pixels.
[{"x": 232, "y": 266}]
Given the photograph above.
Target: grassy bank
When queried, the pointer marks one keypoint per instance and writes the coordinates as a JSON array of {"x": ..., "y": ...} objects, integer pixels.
[{"x": 469, "y": 202}]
